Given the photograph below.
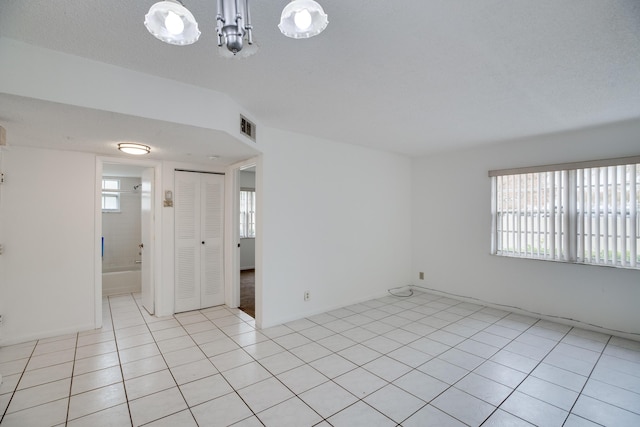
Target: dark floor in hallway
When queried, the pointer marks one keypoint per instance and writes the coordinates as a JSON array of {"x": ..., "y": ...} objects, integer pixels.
[{"x": 248, "y": 292}]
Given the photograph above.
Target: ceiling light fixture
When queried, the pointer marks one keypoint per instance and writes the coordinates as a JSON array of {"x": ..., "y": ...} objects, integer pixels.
[
  {"x": 233, "y": 24},
  {"x": 133, "y": 148},
  {"x": 172, "y": 23},
  {"x": 302, "y": 19}
]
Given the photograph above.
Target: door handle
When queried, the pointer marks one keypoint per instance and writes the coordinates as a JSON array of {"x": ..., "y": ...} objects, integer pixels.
[
  {"x": 141, "y": 245},
  {"x": 203, "y": 242}
]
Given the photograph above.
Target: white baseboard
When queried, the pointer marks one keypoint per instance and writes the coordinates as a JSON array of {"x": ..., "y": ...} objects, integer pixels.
[
  {"x": 324, "y": 310},
  {"x": 551, "y": 318},
  {"x": 46, "y": 334}
]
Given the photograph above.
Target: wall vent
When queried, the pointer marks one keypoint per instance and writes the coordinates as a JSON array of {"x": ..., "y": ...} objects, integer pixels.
[{"x": 247, "y": 128}]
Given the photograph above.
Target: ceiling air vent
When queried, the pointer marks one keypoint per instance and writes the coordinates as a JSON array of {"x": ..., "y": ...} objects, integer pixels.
[{"x": 247, "y": 128}]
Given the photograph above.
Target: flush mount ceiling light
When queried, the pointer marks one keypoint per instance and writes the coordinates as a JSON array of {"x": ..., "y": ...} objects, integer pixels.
[
  {"x": 302, "y": 19},
  {"x": 133, "y": 148},
  {"x": 172, "y": 23}
]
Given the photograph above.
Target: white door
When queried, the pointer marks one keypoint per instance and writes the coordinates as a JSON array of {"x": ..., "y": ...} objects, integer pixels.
[
  {"x": 187, "y": 241},
  {"x": 199, "y": 218},
  {"x": 147, "y": 240},
  {"x": 212, "y": 220}
]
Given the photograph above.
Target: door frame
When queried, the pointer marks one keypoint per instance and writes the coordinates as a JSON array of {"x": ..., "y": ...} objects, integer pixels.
[
  {"x": 147, "y": 236},
  {"x": 156, "y": 226},
  {"x": 232, "y": 261}
]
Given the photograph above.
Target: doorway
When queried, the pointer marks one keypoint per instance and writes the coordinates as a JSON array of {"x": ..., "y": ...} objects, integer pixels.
[
  {"x": 125, "y": 231},
  {"x": 121, "y": 203},
  {"x": 247, "y": 237}
]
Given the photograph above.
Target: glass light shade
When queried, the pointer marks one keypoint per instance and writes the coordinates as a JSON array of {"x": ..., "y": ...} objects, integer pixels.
[
  {"x": 292, "y": 25},
  {"x": 162, "y": 14},
  {"x": 133, "y": 148}
]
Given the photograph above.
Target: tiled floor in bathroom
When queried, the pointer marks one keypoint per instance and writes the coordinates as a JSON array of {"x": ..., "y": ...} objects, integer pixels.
[{"x": 418, "y": 361}]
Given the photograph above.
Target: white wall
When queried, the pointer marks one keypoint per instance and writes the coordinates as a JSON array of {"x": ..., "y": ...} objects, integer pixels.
[
  {"x": 451, "y": 224},
  {"x": 342, "y": 232},
  {"x": 47, "y": 219},
  {"x": 352, "y": 212},
  {"x": 26, "y": 70}
]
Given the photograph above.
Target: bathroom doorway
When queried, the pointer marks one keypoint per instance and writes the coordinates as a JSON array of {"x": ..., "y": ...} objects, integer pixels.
[
  {"x": 125, "y": 230},
  {"x": 121, "y": 240}
]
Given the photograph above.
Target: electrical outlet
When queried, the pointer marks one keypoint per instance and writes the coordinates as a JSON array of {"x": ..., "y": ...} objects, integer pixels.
[
  {"x": 1, "y": 319},
  {"x": 421, "y": 275},
  {"x": 307, "y": 295}
]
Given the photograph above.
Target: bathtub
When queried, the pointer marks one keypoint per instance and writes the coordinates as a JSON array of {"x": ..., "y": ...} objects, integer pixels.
[{"x": 121, "y": 280}]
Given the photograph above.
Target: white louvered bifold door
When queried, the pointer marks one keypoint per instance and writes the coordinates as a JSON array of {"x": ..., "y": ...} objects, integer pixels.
[
  {"x": 187, "y": 241},
  {"x": 199, "y": 238},
  {"x": 212, "y": 226}
]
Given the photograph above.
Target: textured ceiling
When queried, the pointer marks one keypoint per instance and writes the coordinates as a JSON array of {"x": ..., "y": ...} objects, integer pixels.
[{"x": 410, "y": 77}]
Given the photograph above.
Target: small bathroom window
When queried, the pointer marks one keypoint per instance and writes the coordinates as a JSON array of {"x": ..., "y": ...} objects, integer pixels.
[{"x": 110, "y": 195}]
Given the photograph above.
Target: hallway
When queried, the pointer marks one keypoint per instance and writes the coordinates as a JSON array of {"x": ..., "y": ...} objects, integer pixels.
[{"x": 248, "y": 292}]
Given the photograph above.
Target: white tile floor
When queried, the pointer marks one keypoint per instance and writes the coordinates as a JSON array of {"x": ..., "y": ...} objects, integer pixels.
[{"x": 418, "y": 361}]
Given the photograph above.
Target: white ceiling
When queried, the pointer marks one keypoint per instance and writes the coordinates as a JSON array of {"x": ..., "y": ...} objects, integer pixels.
[{"x": 410, "y": 77}]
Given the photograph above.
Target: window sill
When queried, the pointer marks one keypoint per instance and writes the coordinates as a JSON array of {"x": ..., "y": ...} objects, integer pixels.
[{"x": 561, "y": 261}]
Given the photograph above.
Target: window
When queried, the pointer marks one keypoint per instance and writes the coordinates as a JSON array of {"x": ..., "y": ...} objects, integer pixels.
[
  {"x": 110, "y": 199},
  {"x": 247, "y": 213},
  {"x": 581, "y": 212}
]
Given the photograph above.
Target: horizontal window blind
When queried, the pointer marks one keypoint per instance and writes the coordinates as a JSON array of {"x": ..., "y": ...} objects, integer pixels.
[{"x": 585, "y": 215}]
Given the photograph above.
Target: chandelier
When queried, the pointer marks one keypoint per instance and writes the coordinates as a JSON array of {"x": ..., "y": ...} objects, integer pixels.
[{"x": 171, "y": 22}]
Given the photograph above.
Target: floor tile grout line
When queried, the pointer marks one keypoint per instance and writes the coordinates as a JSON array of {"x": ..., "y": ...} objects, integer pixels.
[
  {"x": 236, "y": 391},
  {"x": 527, "y": 375},
  {"x": 469, "y": 371},
  {"x": 588, "y": 378},
  {"x": 207, "y": 358},
  {"x": 587, "y": 381},
  {"x": 168, "y": 368},
  {"x": 15, "y": 390},
  {"x": 276, "y": 378},
  {"x": 451, "y": 347},
  {"x": 411, "y": 368},
  {"x": 115, "y": 339},
  {"x": 288, "y": 350},
  {"x": 569, "y": 412},
  {"x": 401, "y": 344},
  {"x": 612, "y": 404},
  {"x": 73, "y": 366}
]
